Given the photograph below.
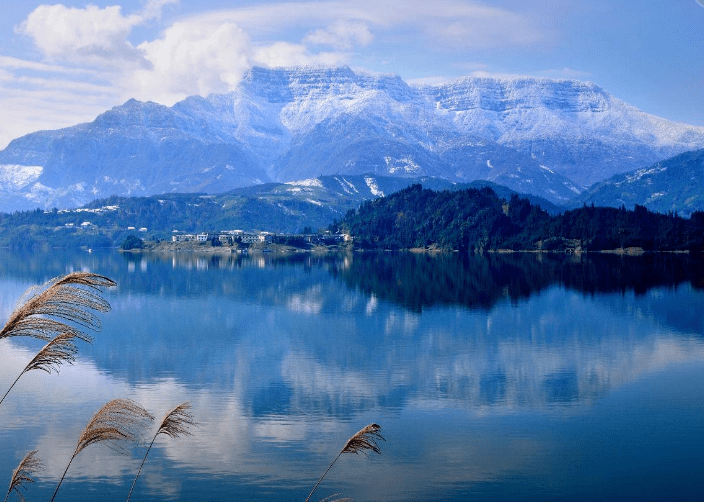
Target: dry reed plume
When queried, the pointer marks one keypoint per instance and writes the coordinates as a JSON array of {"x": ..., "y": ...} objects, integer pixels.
[
  {"x": 58, "y": 351},
  {"x": 70, "y": 298},
  {"x": 175, "y": 424},
  {"x": 363, "y": 440},
  {"x": 23, "y": 474},
  {"x": 118, "y": 420}
]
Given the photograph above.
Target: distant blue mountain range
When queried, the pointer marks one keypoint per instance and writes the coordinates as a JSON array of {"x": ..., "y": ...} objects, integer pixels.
[{"x": 673, "y": 185}]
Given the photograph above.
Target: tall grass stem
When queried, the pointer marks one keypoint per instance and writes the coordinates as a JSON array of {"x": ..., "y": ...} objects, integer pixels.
[
  {"x": 364, "y": 439},
  {"x": 174, "y": 424},
  {"x": 58, "y": 351}
]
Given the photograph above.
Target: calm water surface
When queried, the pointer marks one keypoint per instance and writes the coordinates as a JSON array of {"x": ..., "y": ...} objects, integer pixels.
[{"x": 514, "y": 377}]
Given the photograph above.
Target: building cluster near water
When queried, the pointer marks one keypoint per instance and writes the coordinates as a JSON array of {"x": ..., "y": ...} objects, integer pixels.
[
  {"x": 224, "y": 237},
  {"x": 238, "y": 236}
]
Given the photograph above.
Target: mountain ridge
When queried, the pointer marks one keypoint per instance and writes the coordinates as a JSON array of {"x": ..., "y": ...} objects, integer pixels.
[
  {"x": 551, "y": 138},
  {"x": 671, "y": 185}
]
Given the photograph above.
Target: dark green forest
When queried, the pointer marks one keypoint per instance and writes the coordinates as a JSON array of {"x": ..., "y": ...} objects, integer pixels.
[{"x": 479, "y": 220}]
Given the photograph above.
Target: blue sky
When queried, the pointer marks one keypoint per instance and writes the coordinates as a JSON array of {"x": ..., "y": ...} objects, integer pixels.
[{"x": 61, "y": 64}]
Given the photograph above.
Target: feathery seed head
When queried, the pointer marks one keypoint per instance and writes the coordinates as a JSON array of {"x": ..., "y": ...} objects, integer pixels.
[
  {"x": 177, "y": 421},
  {"x": 365, "y": 439},
  {"x": 58, "y": 351},
  {"x": 120, "y": 419},
  {"x": 71, "y": 298},
  {"x": 29, "y": 465}
]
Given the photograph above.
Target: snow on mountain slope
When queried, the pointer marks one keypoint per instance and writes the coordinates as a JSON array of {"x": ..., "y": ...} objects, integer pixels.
[
  {"x": 14, "y": 177},
  {"x": 675, "y": 184},
  {"x": 575, "y": 128},
  {"x": 548, "y": 137}
]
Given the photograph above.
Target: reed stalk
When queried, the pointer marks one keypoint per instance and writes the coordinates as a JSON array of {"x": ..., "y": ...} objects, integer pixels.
[
  {"x": 363, "y": 440},
  {"x": 174, "y": 424},
  {"x": 29, "y": 465},
  {"x": 118, "y": 420},
  {"x": 58, "y": 351}
]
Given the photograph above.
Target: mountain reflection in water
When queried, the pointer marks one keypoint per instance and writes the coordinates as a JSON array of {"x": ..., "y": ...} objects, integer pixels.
[{"x": 476, "y": 366}]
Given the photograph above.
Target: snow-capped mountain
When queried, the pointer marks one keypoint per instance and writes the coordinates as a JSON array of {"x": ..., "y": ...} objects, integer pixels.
[{"x": 546, "y": 137}]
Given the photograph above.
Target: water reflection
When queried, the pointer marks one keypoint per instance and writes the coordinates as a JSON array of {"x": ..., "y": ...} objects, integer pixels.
[
  {"x": 476, "y": 367},
  {"x": 481, "y": 281},
  {"x": 415, "y": 281},
  {"x": 319, "y": 334}
]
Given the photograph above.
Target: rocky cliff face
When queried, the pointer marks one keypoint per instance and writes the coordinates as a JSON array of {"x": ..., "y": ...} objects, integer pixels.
[{"x": 546, "y": 137}]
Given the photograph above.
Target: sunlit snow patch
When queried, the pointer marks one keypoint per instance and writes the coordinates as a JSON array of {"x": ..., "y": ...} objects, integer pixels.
[
  {"x": 351, "y": 185},
  {"x": 373, "y": 187},
  {"x": 39, "y": 192},
  {"x": 346, "y": 186},
  {"x": 313, "y": 182},
  {"x": 404, "y": 164},
  {"x": 632, "y": 178},
  {"x": 14, "y": 176}
]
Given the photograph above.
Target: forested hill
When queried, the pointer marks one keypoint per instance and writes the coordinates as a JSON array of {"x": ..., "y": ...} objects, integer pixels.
[{"x": 477, "y": 219}]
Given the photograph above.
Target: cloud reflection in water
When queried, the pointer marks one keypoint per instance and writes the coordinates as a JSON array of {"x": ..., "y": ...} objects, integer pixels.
[{"x": 281, "y": 363}]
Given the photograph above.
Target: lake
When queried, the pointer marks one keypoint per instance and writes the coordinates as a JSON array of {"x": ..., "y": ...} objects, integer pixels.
[{"x": 495, "y": 377}]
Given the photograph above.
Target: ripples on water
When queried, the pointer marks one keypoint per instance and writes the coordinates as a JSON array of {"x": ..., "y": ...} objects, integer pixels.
[{"x": 513, "y": 377}]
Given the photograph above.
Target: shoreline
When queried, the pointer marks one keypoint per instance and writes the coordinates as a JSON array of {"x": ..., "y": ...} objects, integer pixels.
[
  {"x": 202, "y": 248},
  {"x": 282, "y": 249}
]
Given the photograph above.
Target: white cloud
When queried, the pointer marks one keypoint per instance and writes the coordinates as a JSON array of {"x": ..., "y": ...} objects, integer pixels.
[
  {"x": 49, "y": 102},
  {"x": 470, "y": 27},
  {"x": 469, "y": 24},
  {"x": 153, "y": 8},
  {"x": 21, "y": 64},
  {"x": 568, "y": 73},
  {"x": 285, "y": 54},
  {"x": 209, "y": 52},
  {"x": 81, "y": 36},
  {"x": 342, "y": 34},
  {"x": 89, "y": 36},
  {"x": 198, "y": 57},
  {"x": 192, "y": 59}
]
